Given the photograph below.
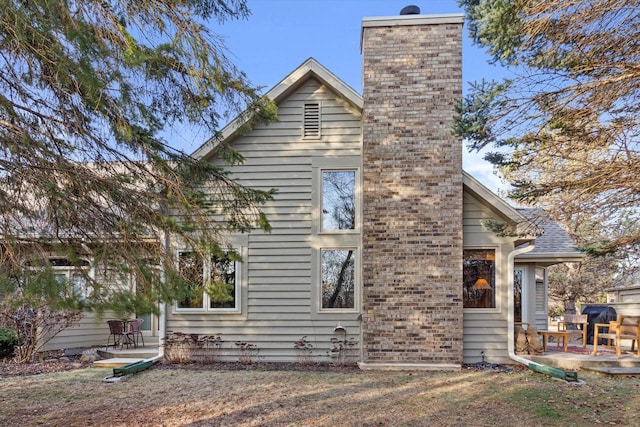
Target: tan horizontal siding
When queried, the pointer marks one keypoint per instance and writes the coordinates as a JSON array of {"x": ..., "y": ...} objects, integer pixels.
[
  {"x": 486, "y": 331},
  {"x": 277, "y": 292},
  {"x": 89, "y": 332}
]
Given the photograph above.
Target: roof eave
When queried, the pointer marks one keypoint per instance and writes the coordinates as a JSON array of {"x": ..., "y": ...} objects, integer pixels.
[{"x": 552, "y": 257}]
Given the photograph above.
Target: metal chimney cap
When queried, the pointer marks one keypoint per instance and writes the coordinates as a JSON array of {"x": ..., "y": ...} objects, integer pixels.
[{"x": 410, "y": 10}]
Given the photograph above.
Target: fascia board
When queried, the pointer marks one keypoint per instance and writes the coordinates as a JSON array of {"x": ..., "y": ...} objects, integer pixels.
[
  {"x": 556, "y": 256},
  {"x": 491, "y": 198}
]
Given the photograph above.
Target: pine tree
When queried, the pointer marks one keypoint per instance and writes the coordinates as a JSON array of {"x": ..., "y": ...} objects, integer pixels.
[
  {"x": 88, "y": 92},
  {"x": 566, "y": 125}
]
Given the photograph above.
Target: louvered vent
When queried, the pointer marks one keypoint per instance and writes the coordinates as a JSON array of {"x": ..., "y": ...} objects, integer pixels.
[{"x": 311, "y": 120}]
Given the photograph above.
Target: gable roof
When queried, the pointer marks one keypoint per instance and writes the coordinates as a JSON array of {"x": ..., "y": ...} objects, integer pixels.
[
  {"x": 554, "y": 245},
  {"x": 308, "y": 69},
  {"x": 553, "y": 239}
]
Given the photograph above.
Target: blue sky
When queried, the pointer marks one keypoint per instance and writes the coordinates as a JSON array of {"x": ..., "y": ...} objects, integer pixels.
[{"x": 281, "y": 34}]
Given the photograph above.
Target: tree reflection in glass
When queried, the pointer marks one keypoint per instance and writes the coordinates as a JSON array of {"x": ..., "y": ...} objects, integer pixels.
[
  {"x": 338, "y": 200},
  {"x": 338, "y": 278}
]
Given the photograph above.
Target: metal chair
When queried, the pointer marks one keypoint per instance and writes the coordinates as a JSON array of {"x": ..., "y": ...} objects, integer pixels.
[
  {"x": 121, "y": 337},
  {"x": 134, "y": 330}
]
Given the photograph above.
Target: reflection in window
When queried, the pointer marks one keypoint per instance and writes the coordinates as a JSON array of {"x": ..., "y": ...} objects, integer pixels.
[
  {"x": 219, "y": 291},
  {"x": 517, "y": 295},
  {"x": 79, "y": 285},
  {"x": 191, "y": 266},
  {"x": 479, "y": 278},
  {"x": 338, "y": 200},
  {"x": 68, "y": 275},
  {"x": 222, "y": 287},
  {"x": 338, "y": 278}
]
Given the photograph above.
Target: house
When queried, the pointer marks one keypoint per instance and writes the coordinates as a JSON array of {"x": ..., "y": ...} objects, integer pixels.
[{"x": 378, "y": 235}]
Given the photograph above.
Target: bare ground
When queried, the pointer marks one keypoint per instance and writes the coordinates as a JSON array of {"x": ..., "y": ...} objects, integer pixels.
[{"x": 293, "y": 395}]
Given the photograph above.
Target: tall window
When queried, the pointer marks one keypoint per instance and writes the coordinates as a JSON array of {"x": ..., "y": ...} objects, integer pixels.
[
  {"x": 518, "y": 280},
  {"x": 212, "y": 283},
  {"x": 338, "y": 278},
  {"x": 191, "y": 268},
  {"x": 222, "y": 283},
  {"x": 338, "y": 200},
  {"x": 479, "y": 271},
  {"x": 335, "y": 238}
]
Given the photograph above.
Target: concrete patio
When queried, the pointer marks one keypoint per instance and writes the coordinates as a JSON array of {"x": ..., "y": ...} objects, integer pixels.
[
  {"x": 578, "y": 358},
  {"x": 114, "y": 357}
]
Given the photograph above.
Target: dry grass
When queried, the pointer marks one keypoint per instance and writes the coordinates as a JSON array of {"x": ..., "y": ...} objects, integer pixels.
[{"x": 219, "y": 397}]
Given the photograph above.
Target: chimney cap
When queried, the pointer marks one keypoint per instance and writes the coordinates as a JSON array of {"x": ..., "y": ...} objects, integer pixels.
[{"x": 410, "y": 10}]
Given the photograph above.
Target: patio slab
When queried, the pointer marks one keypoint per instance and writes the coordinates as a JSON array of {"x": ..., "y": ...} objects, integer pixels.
[
  {"x": 613, "y": 370},
  {"x": 583, "y": 359},
  {"x": 141, "y": 352}
]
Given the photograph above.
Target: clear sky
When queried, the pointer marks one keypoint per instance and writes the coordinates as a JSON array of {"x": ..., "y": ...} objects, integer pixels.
[{"x": 281, "y": 34}]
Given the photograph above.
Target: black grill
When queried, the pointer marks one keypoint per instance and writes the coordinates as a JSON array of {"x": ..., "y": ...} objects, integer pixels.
[{"x": 598, "y": 314}]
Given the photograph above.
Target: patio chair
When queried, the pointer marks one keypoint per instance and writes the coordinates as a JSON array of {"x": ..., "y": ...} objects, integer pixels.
[
  {"x": 121, "y": 336},
  {"x": 134, "y": 330},
  {"x": 625, "y": 328},
  {"x": 579, "y": 322}
]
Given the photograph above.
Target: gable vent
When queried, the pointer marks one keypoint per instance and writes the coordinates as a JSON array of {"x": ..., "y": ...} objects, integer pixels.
[{"x": 311, "y": 120}]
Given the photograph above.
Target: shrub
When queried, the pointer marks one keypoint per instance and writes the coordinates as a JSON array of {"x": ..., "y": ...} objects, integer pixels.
[
  {"x": 190, "y": 348},
  {"x": 8, "y": 340},
  {"x": 304, "y": 349}
]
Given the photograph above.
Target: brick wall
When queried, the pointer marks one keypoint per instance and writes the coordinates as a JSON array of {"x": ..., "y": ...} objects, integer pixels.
[{"x": 412, "y": 191}]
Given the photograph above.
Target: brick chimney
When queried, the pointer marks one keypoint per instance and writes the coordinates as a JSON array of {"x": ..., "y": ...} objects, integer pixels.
[{"x": 412, "y": 192}]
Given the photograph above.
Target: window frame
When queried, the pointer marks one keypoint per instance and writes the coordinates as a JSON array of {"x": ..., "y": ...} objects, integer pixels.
[
  {"x": 206, "y": 302},
  {"x": 84, "y": 290},
  {"x": 356, "y": 205},
  {"x": 69, "y": 271},
  {"x": 346, "y": 163},
  {"x": 497, "y": 297},
  {"x": 356, "y": 281},
  {"x": 348, "y": 239}
]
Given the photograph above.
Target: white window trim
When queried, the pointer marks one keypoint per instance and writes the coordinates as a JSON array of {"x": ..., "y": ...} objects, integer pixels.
[
  {"x": 68, "y": 271},
  {"x": 205, "y": 300},
  {"x": 500, "y": 290}
]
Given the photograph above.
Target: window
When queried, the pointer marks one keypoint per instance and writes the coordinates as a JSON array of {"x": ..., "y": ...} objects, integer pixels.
[
  {"x": 191, "y": 268},
  {"x": 518, "y": 281},
  {"x": 219, "y": 291},
  {"x": 67, "y": 272},
  {"x": 335, "y": 238},
  {"x": 479, "y": 278},
  {"x": 338, "y": 202},
  {"x": 541, "y": 303},
  {"x": 311, "y": 117},
  {"x": 338, "y": 278},
  {"x": 222, "y": 283}
]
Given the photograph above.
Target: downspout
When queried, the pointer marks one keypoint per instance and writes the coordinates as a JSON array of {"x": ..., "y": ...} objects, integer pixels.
[
  {"x": 568, "y": 376},
  {"x": 120, "y": 374},
  {"x": 162, "y": 318},
  {"x": 511, "y": 346}
]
